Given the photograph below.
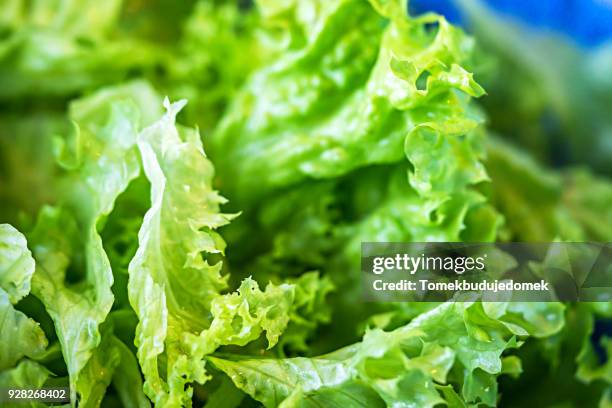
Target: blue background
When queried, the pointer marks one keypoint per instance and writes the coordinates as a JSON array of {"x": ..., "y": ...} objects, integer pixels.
[{"x": 588, "y": 22}]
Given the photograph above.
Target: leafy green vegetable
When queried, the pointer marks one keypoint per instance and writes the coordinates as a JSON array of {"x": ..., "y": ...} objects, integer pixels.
[
  {"x": 20, "y": 336},
  {"x": 158, "y": 279},
  {"x": 328, "y": 124},
  {"x": 547, "y": 205},
  {"x": 27, "y": 374},
  {"x": 59, "y": 48},
  {"x": 359, "y": 108},
  {"x": 402, "y": 367},
  {"x": 173, "y": 291},
  {"x": 28, "y": 171},
  {"x": 73, "y": 277},
  {"x": 229, "y": 36},
  {"x": 16, "y": 264}
]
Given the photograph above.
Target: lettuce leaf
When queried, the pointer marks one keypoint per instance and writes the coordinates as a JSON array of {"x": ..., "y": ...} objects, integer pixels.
[
  {"x": 460, "y": 344},
  {"x": 16, "y": 263},
  {"x": 547, "y": 204},
  {"x": 218, "y": 49},
  {"x": 309, "y": 310},
  {"x": 175, "y": 280},
  {"x": 595, "y": 357},
  {"x": 27, "y": 374},
  {"x": 112, "y": 362},
  {"x": 59, "y": 48},
  {"x": 20, "y": 336},
  {"x": 28, "y": 173},
  {"x": 73, "y": 276},
  {"x": 239, "y": 318},
  {"x": 363, "y": 104},
  {"x": 328, "y": 131}
]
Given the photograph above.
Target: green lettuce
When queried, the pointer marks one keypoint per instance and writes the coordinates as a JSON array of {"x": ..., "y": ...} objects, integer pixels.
[
  {"x": 328, "y": 124},
  {"x": 454, "y": 343},
  {"x": 175, "y": 290},
  {"x": 28, "y": 172},
  {"x": 73, "y": 276},
  {"x": 27, "y": 374},
  {"x": 547, "y": 204},
  {"x": 20, "y": 336},
  {"x": 364, "y": 105},
  {"x": 59, "y": 48},
  {"x": 218, "y": 48}
]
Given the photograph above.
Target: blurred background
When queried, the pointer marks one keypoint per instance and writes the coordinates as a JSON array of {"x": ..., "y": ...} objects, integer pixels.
[
  {"x": 550, "y": 82},
  {"x": 587, "y": 22}
]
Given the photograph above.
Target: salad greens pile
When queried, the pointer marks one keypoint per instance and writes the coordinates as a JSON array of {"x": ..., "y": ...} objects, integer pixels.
[{"x": 205, "y": 252}]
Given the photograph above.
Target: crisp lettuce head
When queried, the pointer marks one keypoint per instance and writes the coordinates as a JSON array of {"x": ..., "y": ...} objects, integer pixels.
[{"x": 129, "y": 277}]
